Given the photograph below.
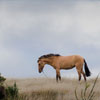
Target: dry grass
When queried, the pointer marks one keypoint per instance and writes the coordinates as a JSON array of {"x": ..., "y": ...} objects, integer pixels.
[{"x": 49, "y": 89}]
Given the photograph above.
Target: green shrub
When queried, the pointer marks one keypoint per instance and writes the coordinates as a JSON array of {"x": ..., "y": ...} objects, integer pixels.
[
  {"x": 2, "y": 88},
  {"x": 12, "y": 91},
  {"x": 2, "y": 79}
]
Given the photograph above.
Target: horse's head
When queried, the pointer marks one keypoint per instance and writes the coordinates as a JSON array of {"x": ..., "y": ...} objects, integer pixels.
[
  {"x": 41, "y": 64},
  {"x": 45, "y": 59}
]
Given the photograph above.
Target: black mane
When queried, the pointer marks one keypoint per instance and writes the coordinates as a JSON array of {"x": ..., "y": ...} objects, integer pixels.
[{"x": 47, "y": 56}]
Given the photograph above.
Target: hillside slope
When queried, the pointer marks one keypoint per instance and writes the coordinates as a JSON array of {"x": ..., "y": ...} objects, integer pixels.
[{"x": 48, "y": 88}]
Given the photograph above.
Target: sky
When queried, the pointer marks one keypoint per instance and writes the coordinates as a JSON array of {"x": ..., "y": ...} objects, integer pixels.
[{"x": 32, "y": 28}]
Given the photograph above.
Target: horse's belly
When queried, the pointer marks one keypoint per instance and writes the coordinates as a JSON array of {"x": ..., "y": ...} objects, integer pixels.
[
  {"x": 67, "y": 62},
  {"x": 67, "y": 66},
  {"x": 70, "y": 67}
]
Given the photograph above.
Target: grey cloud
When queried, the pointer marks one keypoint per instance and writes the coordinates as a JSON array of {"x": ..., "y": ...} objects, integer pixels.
[{"x": 30, "y": 29}]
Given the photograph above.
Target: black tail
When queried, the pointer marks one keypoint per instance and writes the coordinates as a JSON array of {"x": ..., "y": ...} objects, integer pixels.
[{"x": 87, "y": 72}]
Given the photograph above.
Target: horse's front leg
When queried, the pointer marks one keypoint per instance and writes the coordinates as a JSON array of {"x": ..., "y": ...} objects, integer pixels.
[{"x": 58, "y": 75}]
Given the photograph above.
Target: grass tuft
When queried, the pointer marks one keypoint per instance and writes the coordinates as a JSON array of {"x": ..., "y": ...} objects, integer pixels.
[{"x": 84, "y": 92}]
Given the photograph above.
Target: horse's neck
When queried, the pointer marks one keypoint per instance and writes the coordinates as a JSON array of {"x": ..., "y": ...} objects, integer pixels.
[{"x": 49, "y": 61}]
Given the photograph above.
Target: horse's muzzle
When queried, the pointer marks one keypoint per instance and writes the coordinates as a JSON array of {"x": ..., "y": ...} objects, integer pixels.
[{"x": 40, "y": 70}]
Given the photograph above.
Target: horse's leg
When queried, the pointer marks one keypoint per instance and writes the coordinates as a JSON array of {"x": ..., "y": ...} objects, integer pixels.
[
  {"x": 56, "y": 77},
  {"x": 60, "y": 78},
  {"x": 79, "y": 71},
  {"x": 79, "y": 74},
  {"x": 58, "y": 74},
  {"x": 83, "y": 75}
]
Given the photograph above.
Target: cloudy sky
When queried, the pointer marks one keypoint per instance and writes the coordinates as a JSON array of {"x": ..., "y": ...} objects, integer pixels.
[{"x": 31, "y": 28}]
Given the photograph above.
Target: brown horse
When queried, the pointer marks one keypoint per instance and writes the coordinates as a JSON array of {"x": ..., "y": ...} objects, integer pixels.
[{"x": 64, "y": 62}]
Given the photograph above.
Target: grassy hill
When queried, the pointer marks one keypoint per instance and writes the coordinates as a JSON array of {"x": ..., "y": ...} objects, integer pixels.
[{"x": 49, "y": 89}]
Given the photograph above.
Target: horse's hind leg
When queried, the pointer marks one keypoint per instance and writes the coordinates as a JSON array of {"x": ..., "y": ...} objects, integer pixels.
[
  {"x": 79, "y": 74},
  {"x": 83, "y": 75},
  {"x": 79, "y": 71}
]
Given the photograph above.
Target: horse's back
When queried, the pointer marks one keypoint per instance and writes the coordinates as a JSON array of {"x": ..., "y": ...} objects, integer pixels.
[
  {"x": 78, "y": 58},
  {"x": 72, "y": 57},
  {"x": 70, "y": 61}
]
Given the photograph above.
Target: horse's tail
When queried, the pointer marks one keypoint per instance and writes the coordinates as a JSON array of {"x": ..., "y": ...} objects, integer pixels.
[{"x": 87, "y": 71}]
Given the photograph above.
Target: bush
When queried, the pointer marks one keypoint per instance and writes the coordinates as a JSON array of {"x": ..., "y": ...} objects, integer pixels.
[
  {"x": 9, "y": 92},
  {"x": 2, "y": 88},
  {"x": 12, "y": 91},
  {"x": 2, "y": 79},
  {"x": 2, "y": 92}
]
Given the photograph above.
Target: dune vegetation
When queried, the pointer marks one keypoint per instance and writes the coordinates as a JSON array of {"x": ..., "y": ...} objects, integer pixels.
[{"x": 49, "y": 89}]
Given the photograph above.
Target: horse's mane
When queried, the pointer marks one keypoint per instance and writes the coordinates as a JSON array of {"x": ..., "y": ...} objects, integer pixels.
[{"x": 47, "y": 56}]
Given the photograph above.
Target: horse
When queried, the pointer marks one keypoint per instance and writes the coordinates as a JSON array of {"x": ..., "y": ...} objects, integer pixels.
[{"x": 59, "y": 62}]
